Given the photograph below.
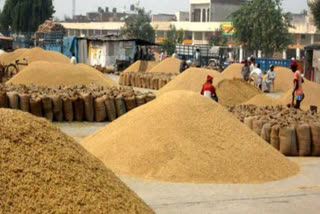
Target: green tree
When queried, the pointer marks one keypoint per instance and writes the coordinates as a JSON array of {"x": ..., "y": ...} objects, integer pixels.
[
  {"x": 174, "y": 37},
  {"x": 315, "y": 10},
  {"x": 25, "y": 15},
  {"x": 217, "y": 38},
  {"x": 262, "y": 25},
  {"x": 138, "y": 26}
]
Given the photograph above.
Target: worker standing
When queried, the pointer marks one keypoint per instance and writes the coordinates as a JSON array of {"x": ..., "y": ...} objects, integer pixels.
[
  {"x": 73, "y": 59},
  {"x": 245, "y": 72},
  {"x": 258, "y": 79},
  {"x": 198, "y": 58},
  {"x": 297, "y": 93},
  {"x": 269, "y": 81},
  {"x": 208, "y": 90},
  {"x": 183, "y": 64}
]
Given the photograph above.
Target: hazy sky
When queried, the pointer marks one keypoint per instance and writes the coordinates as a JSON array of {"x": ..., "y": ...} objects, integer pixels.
[{"x": 156, "y": 6}]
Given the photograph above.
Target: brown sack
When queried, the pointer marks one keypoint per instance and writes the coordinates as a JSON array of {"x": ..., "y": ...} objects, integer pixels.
[
  {"x": 13, "y": 98},
  {"x": 121, "y": 79},
  {"x": 150, "y": 97},
  {"x": 304, "y": 139},
  {"x": 315, "y": 132},
  {"x": 88, "y": 106},
  {"x": 67, "y": 109},
  {"x": 36, "y": 106},
  {"x": 266, "y": 132},
  {"x": 140, "y": 100},
  {"x": 257, "y": 126},
  {"x": 3, "y": 100},
  {"x": 248, "y": 121},
  {"x": 288, "y": 141},
  {"x": 78, "y": 107},
  {"x": 25, "y": 102},
  {"x": 57, "y": 108},
  {"x": 100, "y": 109},
  {"x": 275, "y": 138},
  {"x": 47, "y": 107},
  {"x": 130, "y": 103},
  {"x": 111, "y": 108},
  {"x": 120, "y": 106}
]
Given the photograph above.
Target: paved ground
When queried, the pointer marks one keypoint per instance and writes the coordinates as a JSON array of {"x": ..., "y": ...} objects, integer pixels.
[{"x": 298, "y": 194}]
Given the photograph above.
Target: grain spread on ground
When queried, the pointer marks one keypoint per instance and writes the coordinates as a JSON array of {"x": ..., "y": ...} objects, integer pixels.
[
  {"x": 191, "y": 80},
  {"x": 185, "y": 137},
  {"x": 141, "y": 66},
  {"x": 169, "y": 65},
  {"x": 43, "y": 73},
  {"x": 233, "y": 71},
  {"x": 32, "y": 55},
  {"x": 45, "y": 171}
]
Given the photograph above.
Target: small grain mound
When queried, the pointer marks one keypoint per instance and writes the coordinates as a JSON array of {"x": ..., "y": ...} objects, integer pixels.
[
  {"x": 284, "y": 79},
  {"x": 233, "y": 71},
  {"x": 57, "y": 74},
  {"x": 45, "y": 171},
  {"x": 141, "y": 66},
  {"x": 312, "y": 95},
  {"x": 185, "y": 137},
  {"x": 191, "y": 80},
  {"x": 262, "y": 100},
  {"x": 169, "y": 65},
  {"x": 33, "y": 55}
]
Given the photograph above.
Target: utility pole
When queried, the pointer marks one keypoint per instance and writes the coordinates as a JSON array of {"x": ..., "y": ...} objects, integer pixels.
[{"x": 73, "y": 8}]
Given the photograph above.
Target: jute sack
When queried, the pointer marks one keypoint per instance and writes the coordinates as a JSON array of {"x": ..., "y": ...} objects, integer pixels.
[
  {"x": 111, "y": 108},
  {"x": 257, "y": 126},
  {"x": 47, "y": 107},
  {"x": 13, "y": 98},
  {"x": 24, "y": 102},
  {"x": 275, "y": 138},
  {"x": 3, "y": 100},
  {"x": 67, "y": 109},
  {"x": 304, "y": 139},
  {"x": 78, "y": 107},
  {"x": 36, "y": 106},
  {"x": 150, "y": 97},
  {"x": 288, "y": 141},
  {"x": 315, "y": 132},
  {"x": 100, "y": 109},
  {"x": 248, "y": 121},
  {"x": 57, "y": 108},
  {"x": 88, "y": 106},
  {"x": 131, "y": 79},
  {"x": 140, "y": 100},
  {"x": 130, "y": 103},
  {"x": 121, "y": 79},
  {"x": 120, "y": 105},
  {"x": 266, "y": 132}
]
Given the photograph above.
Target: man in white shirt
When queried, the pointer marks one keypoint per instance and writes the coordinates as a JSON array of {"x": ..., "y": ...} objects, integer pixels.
[
  {"x": 256, "y": 74},
  {"x": 269, "y": 81},
  {"x": 73, "y": 59}
]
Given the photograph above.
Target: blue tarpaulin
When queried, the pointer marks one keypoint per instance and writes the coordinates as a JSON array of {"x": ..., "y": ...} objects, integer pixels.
[
  {"x": 266, "y": 62},
  {"x": 70, "y": 45}
]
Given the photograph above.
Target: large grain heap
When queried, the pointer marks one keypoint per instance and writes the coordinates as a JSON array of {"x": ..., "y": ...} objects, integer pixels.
[
  {"x": 191, "y": 80},
  {"x": 184, "y": 137},
  {"x": 263, "y": 100},
  {"x": 169, "y": 65},
  {"x": 233, "y": 71},
  {"x": 232, "y": 92},
  {"x": 56, "y": 74},
  {"x": 141, "y": 66},
  {"x": 32, "y": 55},
  {"x": 284, "y": 79},
  {"x": 45, "y": 171}
]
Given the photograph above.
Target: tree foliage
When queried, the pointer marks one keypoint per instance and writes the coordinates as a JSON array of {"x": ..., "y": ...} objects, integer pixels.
[
  {"x": 25, "y": 15},
  {"x": 217, "y": 38},
  {"x": 315, "y": 10},
  {"x": 262, "y": 25},
  {"x": 174, "y": 37},
  {"x": 138, "y": 25}
]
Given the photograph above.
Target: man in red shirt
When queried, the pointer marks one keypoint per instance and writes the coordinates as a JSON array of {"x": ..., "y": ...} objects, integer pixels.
[
  {"x": 208, "y": 90},
  {"x": 297, "y": 85}
]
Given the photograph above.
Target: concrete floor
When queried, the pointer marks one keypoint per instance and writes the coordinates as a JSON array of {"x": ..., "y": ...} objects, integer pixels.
[{"x": 298, "y": 194}]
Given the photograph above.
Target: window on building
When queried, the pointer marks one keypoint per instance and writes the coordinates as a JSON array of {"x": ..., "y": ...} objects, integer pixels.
[
  {"x": 208, "y": 15},
  {"x": 197, "y": 15},
  {"x": 204, "y": 18},
  {"x": 188, "y": 35},
  {"x": 198, "y": 36},
  {"x": 303, "y": 36}
]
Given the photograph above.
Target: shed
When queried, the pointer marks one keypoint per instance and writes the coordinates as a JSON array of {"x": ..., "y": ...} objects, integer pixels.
[{"x": 312, "y": 62}]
